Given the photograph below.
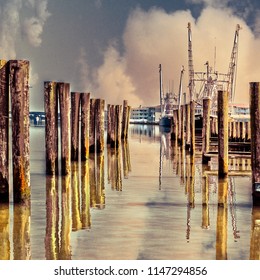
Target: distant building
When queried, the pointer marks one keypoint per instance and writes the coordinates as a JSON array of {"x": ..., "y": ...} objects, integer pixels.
[{"x": 145, "y": 115}]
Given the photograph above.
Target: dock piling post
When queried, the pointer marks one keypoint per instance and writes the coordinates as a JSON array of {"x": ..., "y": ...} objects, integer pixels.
[
  {"x": 222, "y": 134},
  {"x": 85, "y": 115},
  {"x": 75, "y": 107},
  {"x": 206, "y": 129}
]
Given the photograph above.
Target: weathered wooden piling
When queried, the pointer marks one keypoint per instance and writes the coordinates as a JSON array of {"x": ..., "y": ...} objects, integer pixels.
[
  {"x": 85, "y": 125},
  {"x": 19, "y": 89},
  {"x": 206, "y": 129},
  {"x": 75, "y": 111},
  {"x": 255, "y": 139},
  {"x": 112, "y": 131},
  {"x": 192, "y": 127},
  {"x": 100, "y": 125},
  {"x": 116, "y": 126},
  {"x": 124, "y": 119},
  {"x": 92, "y": 126},
  {"x": 175, "y": 129},
  {"x": 222, "y": 133},
  {"x": 108, "y": 123},
  {"x": 183, "y": 115},
  {"x": 4, "y": 132},
  {"x": 187, "y": 126},
  {"x": 63, "y": 90},
  {"x": 51, "y": 127}
]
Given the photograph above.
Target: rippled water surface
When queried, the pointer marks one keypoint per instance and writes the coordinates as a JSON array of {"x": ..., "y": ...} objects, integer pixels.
[{"x": 148, "y": 200}]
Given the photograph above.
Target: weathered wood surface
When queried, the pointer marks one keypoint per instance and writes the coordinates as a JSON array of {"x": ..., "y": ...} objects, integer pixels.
[
  {"x": 85, "y": 119},
  {"x": 63, "y": 90},
  {"x": 92, "y": 126},
  {"x": 75, "y": 111},
  {"x": 4, "y": 132},
  {"x": 19, "y": 89},
  {"x": 255, "y": 138},
  {"x": 222, "y": 133},
  {"x": 100, "y": 125},
  {"x": 51, "y": 127}
]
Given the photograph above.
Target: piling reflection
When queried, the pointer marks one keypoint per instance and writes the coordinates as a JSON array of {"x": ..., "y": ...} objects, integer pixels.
[
  {"x": 126, "y": 158},
  {"x": 4, "y": 232},
  {"x": 255, "y": 234},
  {"x": 205, "y": 201},
  {"x": 66, "y": 223},
  {"x": 52, "y": 218},
  {"x": 221, "y": 230},
  {"x": 114, "y": 168},
  {"x": 21, "y": 232},
  {"x": 75, "y": 196},
  {"x": 97, "y": 180},
  {"x": 85, "y": 196}
]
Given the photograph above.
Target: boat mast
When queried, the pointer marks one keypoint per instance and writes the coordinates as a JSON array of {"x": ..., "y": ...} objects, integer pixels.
[
  {"x": 161, "y": 90},
  {"x": 180, "y": 88}
]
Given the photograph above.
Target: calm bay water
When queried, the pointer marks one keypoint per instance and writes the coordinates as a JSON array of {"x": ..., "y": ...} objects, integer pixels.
[{"x": 138, "y": 203}]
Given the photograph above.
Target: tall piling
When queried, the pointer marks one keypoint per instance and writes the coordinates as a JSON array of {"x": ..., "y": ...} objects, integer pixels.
[
  {"x": 100, "y": 125},
  {"x": 124, "y": 119},
  {"x": 63, "y": 90},
  {"x": 4, "y": 132},
  {"x": 19, "y": 89},
  {"x": 108, "y": 123},
  {"x": 85, "y": 124},
  {"x": 51, "y": 127},
  {"x": 192, "y": 127},
  {"x": 75, "y": 109},
  {"x": 118, "y": 124},
  {"x": 187, "y": 126},
  {"x": 222, "y": 134},
  {"x": 255, "y": 139},
  {"x": 206, "y": 129},
  {"x": 92, "y": 126}
]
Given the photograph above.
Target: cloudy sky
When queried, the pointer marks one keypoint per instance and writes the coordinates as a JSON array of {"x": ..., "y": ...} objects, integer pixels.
[{"x": 112, "y": 48}]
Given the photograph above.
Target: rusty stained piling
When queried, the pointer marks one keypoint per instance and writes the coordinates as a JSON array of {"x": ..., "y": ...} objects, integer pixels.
[
  {"x": 118, "y": 124},
  {"x": 51, "y": 127},
  {"x": 19, "y": 89},
  {"x": 206, "y": 129},
  {"x": 222, "y": 133},
  {"x": 85, "y": 116},
  {"x": 100, "y": 125},
  {"x": 4, "y": 132},
  {"x": 63, "y": 91},
  {"x": 255, "y": 139},
  {"x": 75, "y": 110}
]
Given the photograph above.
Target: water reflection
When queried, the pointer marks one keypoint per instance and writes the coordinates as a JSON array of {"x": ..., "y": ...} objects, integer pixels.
[
  {"x": 85, "y": 196},
  {"x": 21, "y": 232},
  {"x": 255, "y": 234},
  {"x": 52, "y": 218},
  {"x": 4, "y": 232}
]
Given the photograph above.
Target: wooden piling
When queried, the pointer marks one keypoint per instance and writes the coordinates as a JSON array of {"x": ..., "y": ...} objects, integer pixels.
[
  {"x": 192, "y": 127},
  {"x": 85, "y": 124},
  {"x": 108, "y": 123},
  {"x": 75, "y": 109},
  {"x": 118, "y": 123},
  {"x": 124, "y": 119},
  {"x": 92, "y": 124},
  {"x": 51, "y": 128},
  {"x": 174, "y": 134},
  {"x": 63, "y": 90},
  {"x": 255, "y": 139},
  {"x": 187, "y": 127},
  {"x": 183, "y": 114},
  {"x": 112, "y": 126},
  {"x": 222, "y": 133},
  {"x": 4, "y": 132},
  {"x": 206, "y": 129},
  {"x": 19, "y": 89},
  {"x": 100, "y": 125}
]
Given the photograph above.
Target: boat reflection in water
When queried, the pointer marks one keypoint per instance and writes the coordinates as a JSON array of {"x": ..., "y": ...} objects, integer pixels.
[{"x": 149, "y": 199}]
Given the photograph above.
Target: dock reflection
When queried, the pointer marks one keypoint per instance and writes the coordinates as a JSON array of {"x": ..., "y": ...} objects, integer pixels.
[{"x": 4, "y": 232}]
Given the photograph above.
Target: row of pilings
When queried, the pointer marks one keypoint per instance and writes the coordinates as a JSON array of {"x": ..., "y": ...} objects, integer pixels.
[
  {"x": 75, "y": 113},
  {"x": 224, "y": 131}
]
